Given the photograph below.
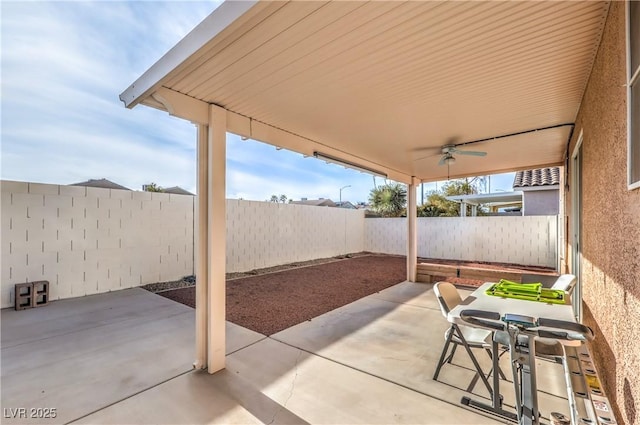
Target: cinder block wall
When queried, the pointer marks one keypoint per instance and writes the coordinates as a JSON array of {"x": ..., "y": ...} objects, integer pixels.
[
  {"x": 90, "y": 240},
  {"x": 610, "y": 263},
  {"x": 264, "y": 234},
  {"x": 519, "y": 240},
  {"x": 86, "y": 240}
]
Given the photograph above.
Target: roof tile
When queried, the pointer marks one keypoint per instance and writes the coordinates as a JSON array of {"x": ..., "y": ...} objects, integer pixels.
[{"x": 538, "y": 177}]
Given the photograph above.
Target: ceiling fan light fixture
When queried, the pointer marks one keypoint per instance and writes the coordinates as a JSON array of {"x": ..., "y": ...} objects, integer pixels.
[{"x": 449, "y": 160}]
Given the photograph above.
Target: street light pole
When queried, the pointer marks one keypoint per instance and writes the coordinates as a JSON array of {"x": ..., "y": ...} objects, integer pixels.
[{"x": 343, "y": 187}]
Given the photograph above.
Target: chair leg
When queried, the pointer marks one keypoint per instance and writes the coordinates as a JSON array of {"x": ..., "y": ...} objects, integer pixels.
[
  {"x": 473, "y": 359},
  {"x": 453, "y": 351},
  {"x": 442, "y": 356},
  {"x": 473, "y": 382}
]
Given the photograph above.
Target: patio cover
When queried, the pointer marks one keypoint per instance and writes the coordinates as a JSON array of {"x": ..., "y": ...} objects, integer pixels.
[
  {"x": 488, "y": 198},
  {"x": 491, "y": 200},
  {"x": 380, "y": 85},
  {"x": 386, "y": 84}
]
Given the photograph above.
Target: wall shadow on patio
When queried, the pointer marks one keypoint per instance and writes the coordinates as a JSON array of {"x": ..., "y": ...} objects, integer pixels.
[{"x": 254, "y": 401}]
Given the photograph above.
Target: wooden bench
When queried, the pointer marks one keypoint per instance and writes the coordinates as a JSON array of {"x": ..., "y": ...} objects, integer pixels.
[{"x": 426, "y": 272}]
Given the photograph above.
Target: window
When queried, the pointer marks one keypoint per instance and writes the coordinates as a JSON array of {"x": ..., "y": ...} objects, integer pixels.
[{"x": 633, "y": 97}]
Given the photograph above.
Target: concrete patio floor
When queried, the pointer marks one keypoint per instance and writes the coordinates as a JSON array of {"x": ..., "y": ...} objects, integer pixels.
[{"x": 125, "y": 358}]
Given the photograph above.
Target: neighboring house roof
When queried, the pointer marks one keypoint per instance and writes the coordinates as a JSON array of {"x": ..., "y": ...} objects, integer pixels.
[
  {"x": 316, "y": 202},
  {"x": 177, "y": 190},
  {"x": 346, "y": 204},
  {"x": 549, "y": 176},
  {"x": 103, "y": 183}
]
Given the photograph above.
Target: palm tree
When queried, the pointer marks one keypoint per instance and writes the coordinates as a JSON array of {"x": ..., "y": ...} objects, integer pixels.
[
  {"x": 283, "y": 199},
  {"x": 274, "y": 198},
  {"x": 389, "y": 200}
]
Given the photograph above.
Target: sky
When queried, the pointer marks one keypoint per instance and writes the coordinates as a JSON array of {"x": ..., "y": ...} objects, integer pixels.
[{"x": 63, "y": 65}]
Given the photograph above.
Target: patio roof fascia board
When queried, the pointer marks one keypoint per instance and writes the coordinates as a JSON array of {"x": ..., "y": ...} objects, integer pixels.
[
  {"x": 186, "y": 49},
  {"x": 477, "y": 199}
]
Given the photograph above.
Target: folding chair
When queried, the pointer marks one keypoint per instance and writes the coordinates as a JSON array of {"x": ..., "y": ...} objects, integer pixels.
[
  {"x": 469, "y": 337},
  {"x": 565, "y": 282}
]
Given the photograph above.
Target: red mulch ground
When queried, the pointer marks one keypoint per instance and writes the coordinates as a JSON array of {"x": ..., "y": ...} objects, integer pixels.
[
  {"x": 272, "y": 302},
  {"x": 269, "y": 303}
]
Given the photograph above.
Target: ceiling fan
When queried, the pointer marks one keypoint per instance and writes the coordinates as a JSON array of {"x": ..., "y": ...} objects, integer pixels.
[{"x": 449, "y": 150}]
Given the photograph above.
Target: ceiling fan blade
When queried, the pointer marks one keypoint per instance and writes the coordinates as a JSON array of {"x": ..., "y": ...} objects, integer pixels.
[
  {"x": 473, "y": 153},
  {"x": 442, "y": 160}
]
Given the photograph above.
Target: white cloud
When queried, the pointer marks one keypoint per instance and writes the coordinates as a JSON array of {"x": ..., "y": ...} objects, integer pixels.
[{"x": 63, "y": 66}]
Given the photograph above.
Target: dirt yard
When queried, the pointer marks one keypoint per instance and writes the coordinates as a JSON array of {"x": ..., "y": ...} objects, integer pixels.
[
  {"x": 268, "y": 303},
  {"x": 272, "y": 299}
]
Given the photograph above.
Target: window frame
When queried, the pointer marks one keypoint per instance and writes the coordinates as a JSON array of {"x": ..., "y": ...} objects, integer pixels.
[{"x": 633, "y": 79}]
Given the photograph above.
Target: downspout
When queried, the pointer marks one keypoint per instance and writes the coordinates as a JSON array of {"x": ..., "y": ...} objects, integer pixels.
[
  {"x": 566, "y": 160},
  {"x": 563, "y": 250}
]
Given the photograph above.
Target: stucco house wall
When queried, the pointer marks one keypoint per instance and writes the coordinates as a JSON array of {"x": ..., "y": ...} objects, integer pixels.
[
  {"x": 541, "y": 202},
  {"x": 610, "y": 264}
]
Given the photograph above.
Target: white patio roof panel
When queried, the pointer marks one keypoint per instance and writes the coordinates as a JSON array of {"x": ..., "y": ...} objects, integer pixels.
[
  {"x": 387, "y": 81},
  {"x": 489, "y": 198}
]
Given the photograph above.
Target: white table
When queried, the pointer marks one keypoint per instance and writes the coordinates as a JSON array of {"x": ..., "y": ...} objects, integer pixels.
[{"x": 479, "y": 300}]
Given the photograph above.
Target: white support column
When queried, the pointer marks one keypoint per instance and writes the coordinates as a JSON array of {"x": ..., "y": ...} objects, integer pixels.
[
  {"x": 201, "y": 242},
  {"x": 412, "y": 230},
  {"x": 216, "y": 237}
]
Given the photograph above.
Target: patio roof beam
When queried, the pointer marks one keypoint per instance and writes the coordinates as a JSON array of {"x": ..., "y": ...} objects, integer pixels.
[
  {"x": 256, "y": 130},
  {"x": 189, "y": 108},
  {"x": 517, "y": 133},
  {"x": 179, "y": 105}
]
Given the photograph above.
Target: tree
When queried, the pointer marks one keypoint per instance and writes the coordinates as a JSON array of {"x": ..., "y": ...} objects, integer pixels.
[
  {"x": 437, "y": 203},
  {"x": 281, "y": 198},
  {"x": 152, "y": 187},
  {"x": 388, "y": 200}
]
